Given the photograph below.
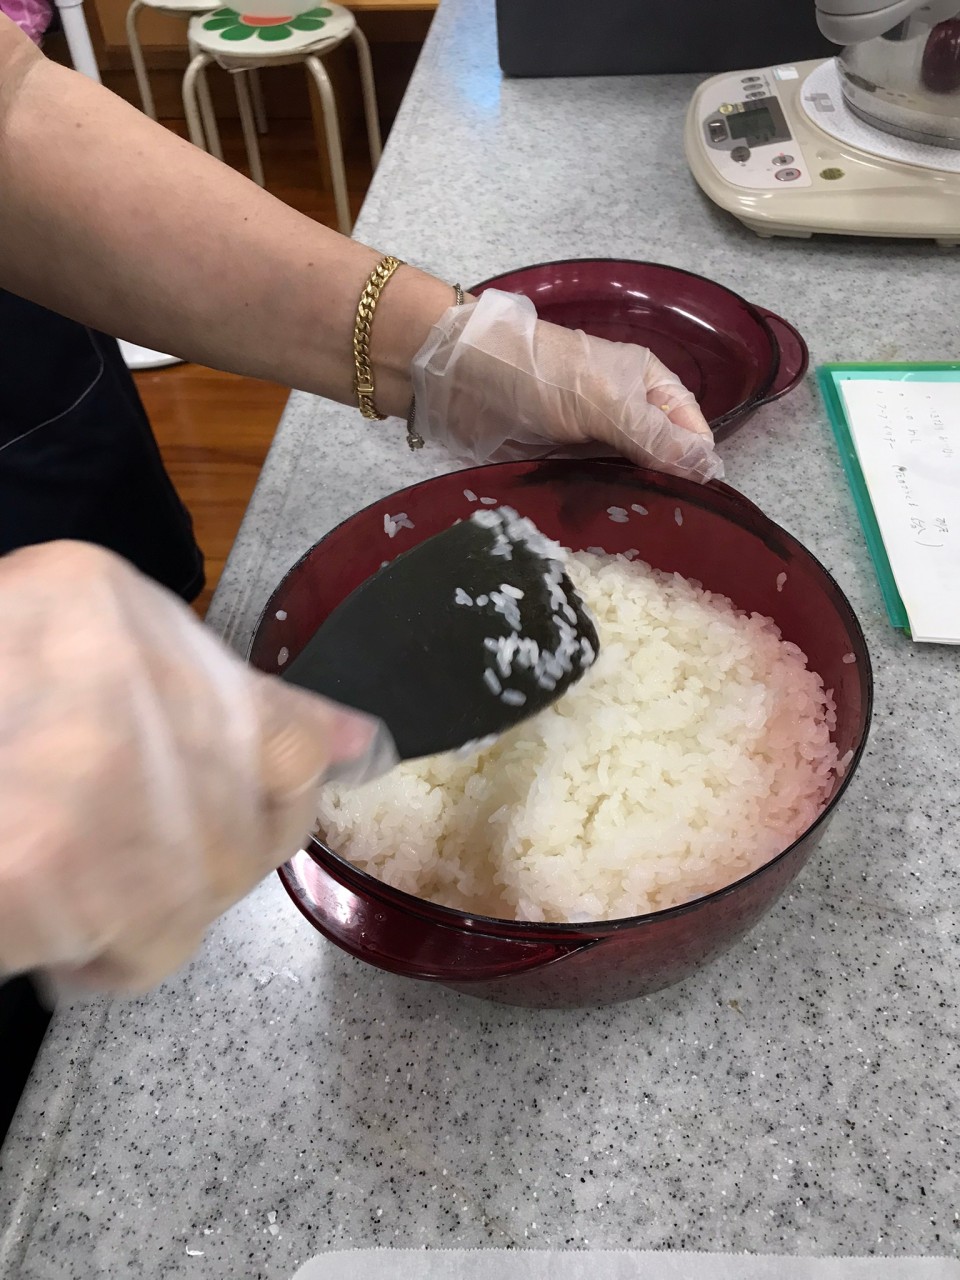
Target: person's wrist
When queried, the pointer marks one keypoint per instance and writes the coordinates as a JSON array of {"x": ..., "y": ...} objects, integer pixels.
[{"x": 407, "y": 312}]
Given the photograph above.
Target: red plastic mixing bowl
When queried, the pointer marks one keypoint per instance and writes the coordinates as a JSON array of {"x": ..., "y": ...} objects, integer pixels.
[
  {"x": 712, "y": 534},
  {"x": 735, "y": 357}
]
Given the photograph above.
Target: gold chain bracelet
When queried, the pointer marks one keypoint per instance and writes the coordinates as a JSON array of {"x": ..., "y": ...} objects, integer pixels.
[{"x": 363, "y": 379}]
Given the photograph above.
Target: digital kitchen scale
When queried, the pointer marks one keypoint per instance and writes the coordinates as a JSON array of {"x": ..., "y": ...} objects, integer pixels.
[{"x": 781, "y": 150}]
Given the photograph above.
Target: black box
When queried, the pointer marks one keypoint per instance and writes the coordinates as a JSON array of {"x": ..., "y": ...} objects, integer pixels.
[{"x": 631, "y": 37}]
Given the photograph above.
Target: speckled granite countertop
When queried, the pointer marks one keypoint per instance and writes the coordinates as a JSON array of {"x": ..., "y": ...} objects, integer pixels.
[{"x": 799, "y": 1096}]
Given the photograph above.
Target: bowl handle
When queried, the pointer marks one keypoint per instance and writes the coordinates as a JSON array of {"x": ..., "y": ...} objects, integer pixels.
[
  {"x": 794, "y": 356},
  {"x": 382, "y": 932},
  {"x": 473, "y": 963}
]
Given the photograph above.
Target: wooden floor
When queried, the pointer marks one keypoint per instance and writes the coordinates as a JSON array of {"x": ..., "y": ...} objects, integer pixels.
[{"x": 214, "y": 429}]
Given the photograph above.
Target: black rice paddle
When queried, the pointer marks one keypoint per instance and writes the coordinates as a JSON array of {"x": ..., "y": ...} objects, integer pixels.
[{"x": 456, "y": 640}]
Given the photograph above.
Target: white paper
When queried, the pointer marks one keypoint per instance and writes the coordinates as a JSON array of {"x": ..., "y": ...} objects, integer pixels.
[
  {"x": 589, "y": 1264},
  {"x": 907, "y": 437}
]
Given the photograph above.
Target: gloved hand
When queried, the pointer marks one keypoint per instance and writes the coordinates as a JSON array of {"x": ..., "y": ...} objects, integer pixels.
[
  {"x": 495, "y": 384},
  {"x": 148, "y": 777}
]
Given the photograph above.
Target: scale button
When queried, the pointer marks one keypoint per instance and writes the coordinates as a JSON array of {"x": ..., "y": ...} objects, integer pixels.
[
  {"x": 718, "y": 131},
  {"x": 750, "y": 80},
  {"x": 741, "y": 155},
  {"x": 756, "y": 93},
  {"x": 788, "y": 175},
  {"x": 782, "y": 159}
]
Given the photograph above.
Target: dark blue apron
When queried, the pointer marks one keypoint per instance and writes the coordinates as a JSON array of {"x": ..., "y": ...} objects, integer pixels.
[
  {"x": 77, "y": 460},
  {"x": 77, "y": 455}
]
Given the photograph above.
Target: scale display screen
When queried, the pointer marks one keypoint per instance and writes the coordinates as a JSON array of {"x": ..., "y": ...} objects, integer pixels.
[{"x": 755, "y": 124}]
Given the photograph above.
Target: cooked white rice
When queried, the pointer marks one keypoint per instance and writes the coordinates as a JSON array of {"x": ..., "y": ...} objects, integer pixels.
[{"x": 697, "y": 748}]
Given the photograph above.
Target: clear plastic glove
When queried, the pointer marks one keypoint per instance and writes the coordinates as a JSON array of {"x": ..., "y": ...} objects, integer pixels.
[
  {"x": 148, "y": 778},
  {"x": 495, "y": 384}
]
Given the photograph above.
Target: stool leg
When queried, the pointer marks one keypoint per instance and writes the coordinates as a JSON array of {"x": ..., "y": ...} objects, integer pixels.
[
  {"x": 207, "y": 113},
  {"x": 136, "y": 57},
  {"x": 331, "y": 125},
  {"x": 191, "y": 107},
  {"x": 369, "y": 95},
  {"x": 249, "y": 128},
  {"x": 256, "y": 93},
  {"x": 206, "y": 110}
]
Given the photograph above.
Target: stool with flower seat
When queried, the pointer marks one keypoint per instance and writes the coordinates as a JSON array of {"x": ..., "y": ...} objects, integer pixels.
[{"x": 277, "y": 35}]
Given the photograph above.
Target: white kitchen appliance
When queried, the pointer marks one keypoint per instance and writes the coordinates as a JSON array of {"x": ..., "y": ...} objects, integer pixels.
[{"x": 858, "y": 145}]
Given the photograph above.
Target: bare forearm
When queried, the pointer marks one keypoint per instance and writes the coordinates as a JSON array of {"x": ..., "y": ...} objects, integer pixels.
[{"x": 111, "y": 219}]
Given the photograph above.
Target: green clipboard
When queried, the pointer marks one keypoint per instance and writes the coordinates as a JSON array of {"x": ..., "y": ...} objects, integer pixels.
[{"x": 829, "y": 377}]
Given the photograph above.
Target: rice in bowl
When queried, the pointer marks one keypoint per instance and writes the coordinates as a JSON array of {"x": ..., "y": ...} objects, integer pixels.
[{"x": 696, "y": 749}]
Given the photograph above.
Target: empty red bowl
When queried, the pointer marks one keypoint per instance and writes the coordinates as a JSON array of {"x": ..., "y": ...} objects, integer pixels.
[
  {"x": 733, "y": 356},
  {"x": 723, "y": 541}
]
